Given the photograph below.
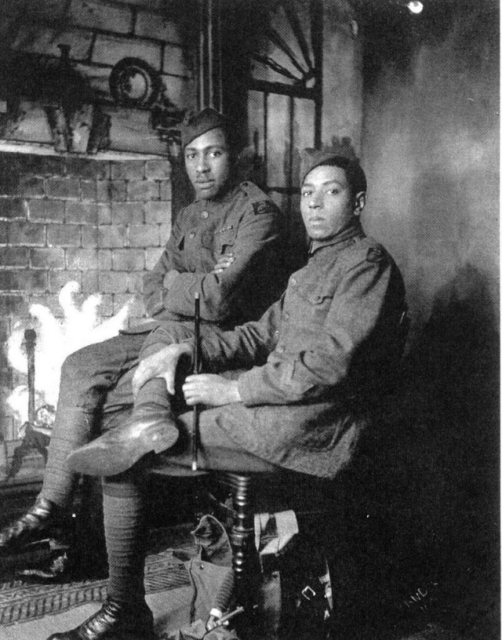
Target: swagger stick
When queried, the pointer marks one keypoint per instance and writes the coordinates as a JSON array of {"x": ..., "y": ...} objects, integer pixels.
[{"x": 196, "y": 369}]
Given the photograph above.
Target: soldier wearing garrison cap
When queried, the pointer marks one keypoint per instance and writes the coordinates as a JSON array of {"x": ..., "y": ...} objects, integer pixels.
[
  {"x": 340, "y": 152},
  {"x": 332, "y": 342},
  {"x": 316, "y": 361},
  {"x": 195, "y": 123},
  {"x": 223, "y": 247}
]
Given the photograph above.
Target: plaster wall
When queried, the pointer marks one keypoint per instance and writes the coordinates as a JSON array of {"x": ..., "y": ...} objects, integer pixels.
[
  {"x": 430, "y": 147},
  {"x": 342, "y": 75}
]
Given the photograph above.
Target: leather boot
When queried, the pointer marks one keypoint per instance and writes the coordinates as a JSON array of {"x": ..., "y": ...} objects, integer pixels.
[
  {"x": 44, "y": 520},
  {"x": 114, "y": 621},
  {"x": 150, "y": 428}
]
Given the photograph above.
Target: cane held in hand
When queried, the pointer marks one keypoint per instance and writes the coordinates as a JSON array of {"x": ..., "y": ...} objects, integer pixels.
[{"x": 196, "y": 369}]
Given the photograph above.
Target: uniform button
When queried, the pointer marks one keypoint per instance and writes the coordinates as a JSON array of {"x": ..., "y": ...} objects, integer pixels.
[
  {"x": 281, "y": 348},
  {"x": 192, "y": 234},
  {"x": 293, "y": 281},
  {"x": 205, "y": 214}
]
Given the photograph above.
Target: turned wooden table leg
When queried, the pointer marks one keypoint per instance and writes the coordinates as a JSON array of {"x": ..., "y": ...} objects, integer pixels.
[
  {"x": 245, "y": 558},
  {"x": 242, "y": 535}
]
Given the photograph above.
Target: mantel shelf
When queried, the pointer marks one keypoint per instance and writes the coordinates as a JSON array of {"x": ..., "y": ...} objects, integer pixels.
[{"x": 38, "y": 148}]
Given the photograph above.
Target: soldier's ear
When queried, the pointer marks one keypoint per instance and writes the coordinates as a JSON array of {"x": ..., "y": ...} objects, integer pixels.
[{"x": 359, "y": 202}]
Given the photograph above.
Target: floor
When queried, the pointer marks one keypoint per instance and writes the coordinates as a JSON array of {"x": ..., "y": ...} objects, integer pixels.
[
  {"x": 170, "y": 609},
  {"x": 175, "y": 603}
]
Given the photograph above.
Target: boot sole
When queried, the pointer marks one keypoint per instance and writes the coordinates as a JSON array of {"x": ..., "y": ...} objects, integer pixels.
[{"x": 110, "y": 459}]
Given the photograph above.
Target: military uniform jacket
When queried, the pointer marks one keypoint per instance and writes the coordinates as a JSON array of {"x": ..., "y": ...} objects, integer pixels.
[
  {"x": 243, "y": 221},
  {"x": 317, "y": 353}
]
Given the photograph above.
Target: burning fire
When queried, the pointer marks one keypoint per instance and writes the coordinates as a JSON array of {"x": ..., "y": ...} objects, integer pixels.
[{"x": 55, "y": 340}]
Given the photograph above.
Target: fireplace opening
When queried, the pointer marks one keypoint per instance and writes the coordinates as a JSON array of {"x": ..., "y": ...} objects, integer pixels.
[{"x": 77, "y": 234}]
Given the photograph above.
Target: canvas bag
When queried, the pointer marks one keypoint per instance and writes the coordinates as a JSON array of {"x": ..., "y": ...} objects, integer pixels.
[
  {"x": 295, "y": 593},
  {"x": 212, "y": 579}
]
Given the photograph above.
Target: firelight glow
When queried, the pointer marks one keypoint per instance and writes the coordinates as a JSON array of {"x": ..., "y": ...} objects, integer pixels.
[{"x": 56, "y": 339}]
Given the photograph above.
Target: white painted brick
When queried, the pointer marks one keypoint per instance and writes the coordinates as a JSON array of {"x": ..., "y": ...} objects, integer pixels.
[
  {"x": 153, "y": 256},
  {"x": 109, "y": 50},
  {"x": 33, "y": 39},
  {"x": 131, "y": 131},
  {"x": 32, "y": 125},
  {"x": 182, "y": 92},
  {"x": 153, "y": 25},
  {"x": 176, "y": 61},
  {"x": 100, "y": 15}
]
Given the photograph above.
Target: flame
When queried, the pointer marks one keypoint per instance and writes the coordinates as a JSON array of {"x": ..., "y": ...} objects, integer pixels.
[
  {"x": 18, "y": 402},
  {"x": 56, "y": 340}
]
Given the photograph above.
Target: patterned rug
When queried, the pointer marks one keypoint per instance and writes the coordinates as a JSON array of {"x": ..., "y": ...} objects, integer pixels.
[{"x": 21, "y": 601}]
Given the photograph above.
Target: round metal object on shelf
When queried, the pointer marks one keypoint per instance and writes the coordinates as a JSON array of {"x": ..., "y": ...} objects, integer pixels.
[{"x": 134, "y": 83}]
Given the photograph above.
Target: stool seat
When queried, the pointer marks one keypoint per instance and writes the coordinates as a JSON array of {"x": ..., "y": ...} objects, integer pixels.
[{"x": 160, "y": 468}]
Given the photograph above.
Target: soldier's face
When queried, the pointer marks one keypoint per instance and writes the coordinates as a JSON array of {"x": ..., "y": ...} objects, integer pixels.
[
  {"x": 327, "y": 204},
  {"x": 207, "y": 161}
]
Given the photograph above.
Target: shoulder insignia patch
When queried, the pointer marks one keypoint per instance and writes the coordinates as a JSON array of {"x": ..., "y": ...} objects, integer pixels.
[
  {"x": 375, "y": 254},
  {"x": 265, "y": 206}
]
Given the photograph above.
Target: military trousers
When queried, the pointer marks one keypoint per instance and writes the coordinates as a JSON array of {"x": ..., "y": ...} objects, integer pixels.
[
  {"x": 217, "y": 451},
  {"x": 96, "y": 395}
]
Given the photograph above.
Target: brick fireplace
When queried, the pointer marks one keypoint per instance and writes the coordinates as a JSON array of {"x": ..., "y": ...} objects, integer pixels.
[{"x": 98, "y": 222}]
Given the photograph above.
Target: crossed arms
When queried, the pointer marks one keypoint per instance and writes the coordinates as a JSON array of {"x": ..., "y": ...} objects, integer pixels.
[
  {"x": 169, "y": 288},
  {"x": 208, "y": 389}
]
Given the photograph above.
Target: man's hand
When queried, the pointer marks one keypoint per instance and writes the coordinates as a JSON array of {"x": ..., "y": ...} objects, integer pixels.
[
  {"x": 162, "y": 364},
  {"x": 223, "y": 263},
  {"x": 170, "y": 277},
  {"x": 210, "y": 389}
]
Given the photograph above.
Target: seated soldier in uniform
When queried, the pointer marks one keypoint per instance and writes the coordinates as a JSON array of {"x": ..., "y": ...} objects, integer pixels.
[
  {"x": 223, "y": 246},
  {"x": 315, "y": 362}
]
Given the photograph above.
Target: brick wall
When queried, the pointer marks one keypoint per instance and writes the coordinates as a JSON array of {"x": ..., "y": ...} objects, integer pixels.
[
  {"x": 99, "y": 223},
  {"x": 101, "y": 33}
]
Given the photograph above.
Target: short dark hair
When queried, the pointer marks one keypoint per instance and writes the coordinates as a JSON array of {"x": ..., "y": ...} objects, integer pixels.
[{"x": 353, "y": 171}]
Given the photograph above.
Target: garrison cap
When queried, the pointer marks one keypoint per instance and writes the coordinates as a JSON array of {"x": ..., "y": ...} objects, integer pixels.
[
  {"x": 197, "y": 123},
  {"x": 340, "y": 150}
]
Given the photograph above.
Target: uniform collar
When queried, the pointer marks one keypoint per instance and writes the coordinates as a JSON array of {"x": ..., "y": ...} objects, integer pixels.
[
  {"x": 354, "y": 230},
  {"x": 220, "y": 199}
]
